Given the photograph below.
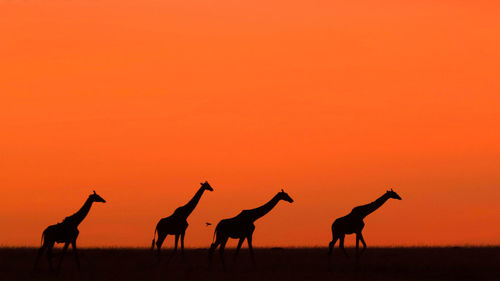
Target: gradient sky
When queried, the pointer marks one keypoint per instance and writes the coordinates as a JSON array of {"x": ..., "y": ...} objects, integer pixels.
[{"x": 335, "y": 101}]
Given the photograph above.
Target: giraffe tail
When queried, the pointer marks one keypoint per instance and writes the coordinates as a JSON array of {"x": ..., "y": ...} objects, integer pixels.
[
  {"x": 215, "y": 232},
  {"x": 42, "y": 239},
  {"x": 153, "y": 244}
]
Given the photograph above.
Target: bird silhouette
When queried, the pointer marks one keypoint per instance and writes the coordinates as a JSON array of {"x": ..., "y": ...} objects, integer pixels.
[{"x": 208, "y": 224}]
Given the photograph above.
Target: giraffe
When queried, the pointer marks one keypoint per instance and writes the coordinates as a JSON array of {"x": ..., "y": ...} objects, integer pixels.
[
  {"x": 176, "y": 224},
  {"x": 353, "y": 223},
  {"x": 66, "y": 232},
  {"x": 241, "y": 227}
]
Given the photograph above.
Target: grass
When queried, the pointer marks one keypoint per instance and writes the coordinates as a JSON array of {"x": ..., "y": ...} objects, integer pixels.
[{"x": 452, "y": 263}]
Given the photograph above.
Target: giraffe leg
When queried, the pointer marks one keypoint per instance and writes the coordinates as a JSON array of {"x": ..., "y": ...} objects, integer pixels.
[
  {"x": 176, "y": 242},
  {"x": 249, "y": 241},
  {"x": 175, "y": 248},
  {"x": 65, "y": 248},
  {"x": 357, "y": 247},
  {"x": 341, "y": 245},
  {"x": 182, "y": 242},
  {"x": 49, "y": 254},
  {"x": 362, "y": 241},
  {"x": 330, "y": 248},
  {"x": 221, "y": 252},
  {"x": 237, "y": 250},
  {"x": 75, "y": 254}
]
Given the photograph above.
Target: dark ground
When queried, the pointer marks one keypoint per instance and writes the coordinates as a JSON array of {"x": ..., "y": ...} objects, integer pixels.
[{"x": 457, "y": 263}]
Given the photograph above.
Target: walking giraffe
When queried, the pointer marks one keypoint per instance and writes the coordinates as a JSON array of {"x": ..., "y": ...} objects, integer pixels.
[
  {"x": 353, "y": 223},
  {"x": 241, "y": 227},
  {"x": 176, "y": 224},
  {"x": 66, "y": 232}
]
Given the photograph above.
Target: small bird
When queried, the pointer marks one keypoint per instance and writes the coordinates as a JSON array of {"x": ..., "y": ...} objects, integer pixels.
[{"x": 208, "y": 224}]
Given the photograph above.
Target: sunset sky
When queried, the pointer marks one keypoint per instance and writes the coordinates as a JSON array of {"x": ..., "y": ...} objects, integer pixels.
[{"x": 334, "y": 101}]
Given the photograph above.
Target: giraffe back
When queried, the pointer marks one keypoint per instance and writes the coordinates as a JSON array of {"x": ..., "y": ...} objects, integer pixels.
[{"x": 61, "y": 233}]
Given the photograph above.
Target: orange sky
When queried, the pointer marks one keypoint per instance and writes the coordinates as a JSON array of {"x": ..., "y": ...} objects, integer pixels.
[{"x": 333, "y": 100}]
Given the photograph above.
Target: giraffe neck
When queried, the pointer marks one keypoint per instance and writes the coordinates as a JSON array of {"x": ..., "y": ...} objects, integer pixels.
[
  {"x": 257, "y": 213},
  {"x": 80, "y": 215},
  {"x": 189, "y": 207},
  {"x": 373, "y": 206}
]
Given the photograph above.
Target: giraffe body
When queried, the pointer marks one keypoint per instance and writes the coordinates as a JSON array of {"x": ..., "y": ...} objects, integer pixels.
[
  {"x": 237, "y": 227},
  {"x": 61, "y": 233},
  {"x": 242, "y": 227},
  {"x": 172, "y": 225},
  {"x": 353, "y": 223},
  {"x": 176, "y": 224},
  {"x": 65, "y": 232},
  {"x": 348, "y": 224}
]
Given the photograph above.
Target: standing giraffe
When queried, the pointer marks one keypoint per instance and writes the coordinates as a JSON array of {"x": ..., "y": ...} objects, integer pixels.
[
  {"x": 353, "y": 223},
  {"x": 242, "y": 226},
  {"x": 176, "y": 224},
  {"x": 66, "y": 232}
]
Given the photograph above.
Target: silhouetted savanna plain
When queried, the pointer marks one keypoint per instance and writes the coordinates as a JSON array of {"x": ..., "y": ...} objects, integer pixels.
[{"x": 462, "y": 263}]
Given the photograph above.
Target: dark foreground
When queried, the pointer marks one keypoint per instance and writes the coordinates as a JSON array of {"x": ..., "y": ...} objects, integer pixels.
[{"x": 272, "y": 264}]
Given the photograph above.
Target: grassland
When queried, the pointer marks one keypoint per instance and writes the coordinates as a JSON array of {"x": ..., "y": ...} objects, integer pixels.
[{"x": 453, "y": 263}]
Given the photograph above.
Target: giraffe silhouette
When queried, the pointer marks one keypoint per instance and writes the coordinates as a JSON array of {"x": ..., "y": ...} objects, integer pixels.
[
  {"x": 66, "y": 232},
  {"x": 353, "y": 223},
  {"x": 176, "y": 224},
  {"x": 241, "y": 227}
]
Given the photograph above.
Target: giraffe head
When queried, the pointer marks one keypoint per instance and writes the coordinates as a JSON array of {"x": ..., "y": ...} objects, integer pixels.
[
  {"x": 392, "y": 194},
  {"x": 282, "y": 195},
  {"x": 96, "y": 198},
  {"x": 206, "y": 186}
]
